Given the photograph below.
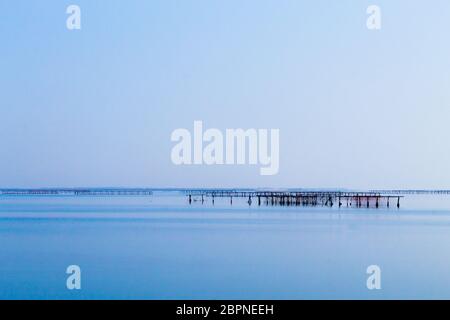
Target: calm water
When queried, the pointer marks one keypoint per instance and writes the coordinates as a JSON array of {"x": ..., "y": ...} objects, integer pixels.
[{"x": 161, "y": 248}]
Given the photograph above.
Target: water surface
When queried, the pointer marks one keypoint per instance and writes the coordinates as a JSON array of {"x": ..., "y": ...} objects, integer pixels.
[{"x": 161, "y": 247}]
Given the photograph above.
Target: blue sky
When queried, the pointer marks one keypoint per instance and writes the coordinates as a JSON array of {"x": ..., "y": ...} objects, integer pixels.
[{"x": 96, "y": 106}]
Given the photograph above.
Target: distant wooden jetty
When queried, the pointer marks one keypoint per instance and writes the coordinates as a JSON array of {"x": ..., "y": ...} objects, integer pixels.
[
  {"x": 78, "y": 192},
  {"x": 300, "y": 198}
]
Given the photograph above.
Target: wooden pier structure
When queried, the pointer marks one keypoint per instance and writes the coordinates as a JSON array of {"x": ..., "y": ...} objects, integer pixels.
[{"x": 300, "y": 198}]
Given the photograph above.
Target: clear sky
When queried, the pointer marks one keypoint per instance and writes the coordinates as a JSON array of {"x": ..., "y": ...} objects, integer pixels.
[{"x": 96, "y": 107}]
